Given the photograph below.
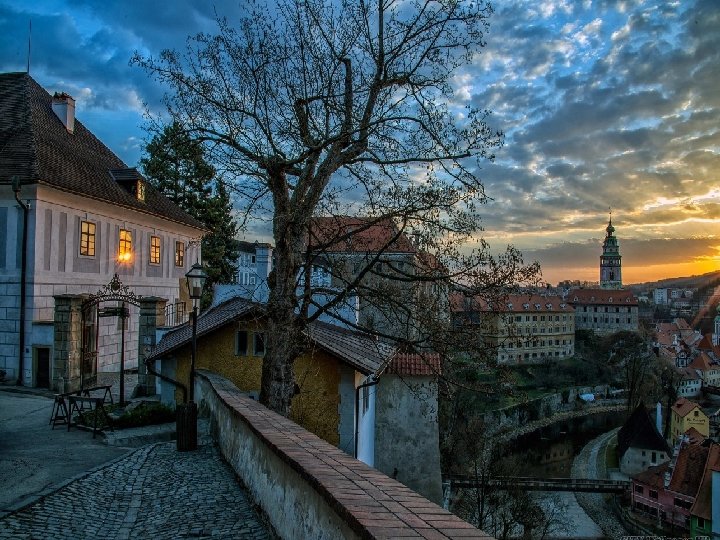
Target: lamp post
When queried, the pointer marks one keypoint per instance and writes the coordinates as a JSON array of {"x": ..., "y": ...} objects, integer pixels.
[{"x": 187, "y": 413}]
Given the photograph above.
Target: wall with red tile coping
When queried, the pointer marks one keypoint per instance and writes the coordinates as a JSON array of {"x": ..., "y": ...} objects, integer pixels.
[{"x": 307, "y": 487}]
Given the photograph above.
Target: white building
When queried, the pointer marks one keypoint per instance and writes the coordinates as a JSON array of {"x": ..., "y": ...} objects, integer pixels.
[{"x": 88, "y": 217}]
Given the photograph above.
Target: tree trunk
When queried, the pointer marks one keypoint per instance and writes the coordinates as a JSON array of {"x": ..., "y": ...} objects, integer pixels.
[{"x": 284, "y": 335}]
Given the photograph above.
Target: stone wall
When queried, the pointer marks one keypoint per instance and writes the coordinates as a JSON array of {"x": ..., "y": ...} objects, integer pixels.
[
  {"x": 307, "y": 487},
  {"x": 407, "y": 445},
  {"x": 516, "y": 416}
]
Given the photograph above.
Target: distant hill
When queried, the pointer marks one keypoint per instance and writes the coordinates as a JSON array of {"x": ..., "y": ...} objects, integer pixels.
[{"x": 692, "y": 282}]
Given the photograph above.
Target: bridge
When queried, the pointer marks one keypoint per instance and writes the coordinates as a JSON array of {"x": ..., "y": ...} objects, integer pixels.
[{"x": 587, "y": 485}]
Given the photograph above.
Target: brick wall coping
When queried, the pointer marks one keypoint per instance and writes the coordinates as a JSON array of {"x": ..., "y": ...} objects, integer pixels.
[{"x": 371, "y": 503}]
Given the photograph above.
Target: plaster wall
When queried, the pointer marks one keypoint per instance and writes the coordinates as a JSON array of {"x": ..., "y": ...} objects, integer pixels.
[
  {"x": 407, "y": 445},
  {"x": 636, "y": 460},
  {"x": 55, "y": 266},
  {"x": 316, "y": 407}
]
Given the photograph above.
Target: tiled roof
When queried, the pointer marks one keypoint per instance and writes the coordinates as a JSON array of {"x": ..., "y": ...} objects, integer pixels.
[
  {"x": 407, "y": 364},
  {"x": 694, "y": 436},
  {"x": 702, "y": 362},
  {"x": 703, "y": 502},
  {"x": 361, "y": 351},
  {"x": 688, "y": 374},
  {"x": 654, "y": 477},
  {"x": 602, "y": 297},
  {"x": 683, "y": 406},
  {"x": 688, "y": 471},
  {"x": 345, "y": 234},
  {"x": 207, "y": 322},
  {"x": 36, "y": 147},
  {"x": 514, "y": 303},
  {"x": 639, "y": 431}
]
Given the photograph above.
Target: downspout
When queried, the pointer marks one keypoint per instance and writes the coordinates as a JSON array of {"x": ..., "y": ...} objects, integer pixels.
[
  {"x": 151, "y": 370},
  {"x": 23, "y": 276},
  {"x": 374, "y": 380}
]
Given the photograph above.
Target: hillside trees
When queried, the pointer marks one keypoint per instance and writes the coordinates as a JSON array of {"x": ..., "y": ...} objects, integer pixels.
[
  {"x": 176, "y": 165},
  {"x": 332, "y": 108}
]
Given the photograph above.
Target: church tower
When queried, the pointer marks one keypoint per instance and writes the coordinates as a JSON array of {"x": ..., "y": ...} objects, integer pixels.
[
  {"x": 610, "y": 266},
  {"x": 716, "y": 333}
]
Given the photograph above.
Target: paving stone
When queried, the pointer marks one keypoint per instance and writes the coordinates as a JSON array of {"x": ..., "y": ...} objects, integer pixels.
[{"x": 155, "y": 492}]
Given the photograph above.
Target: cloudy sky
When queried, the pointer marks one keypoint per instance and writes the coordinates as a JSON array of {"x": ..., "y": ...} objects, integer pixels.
[{"x": 604, "y": 103}]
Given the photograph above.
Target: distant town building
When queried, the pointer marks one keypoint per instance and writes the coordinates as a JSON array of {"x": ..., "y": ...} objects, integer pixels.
[
  {"x": 686, "y": 414},
  {"x": 610, "y": 261},
  {"x": 640, "y": 444},
  {"x": 519, "y": 329},
  {"x": 604, "y": 311}
]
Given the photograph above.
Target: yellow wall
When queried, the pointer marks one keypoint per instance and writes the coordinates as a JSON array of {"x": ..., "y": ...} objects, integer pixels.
[
  {"x": 317, "y": 374},
  {"x": 679, "y": 425}
]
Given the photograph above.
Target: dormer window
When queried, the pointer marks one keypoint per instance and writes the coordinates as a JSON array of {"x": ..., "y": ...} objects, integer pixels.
[{"x": 140, "y": 190}]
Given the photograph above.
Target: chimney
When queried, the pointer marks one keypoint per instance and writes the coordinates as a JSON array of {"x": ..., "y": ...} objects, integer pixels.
[
  {"x": 658, "y": 417},
  {"x": 63, "y": 105}
]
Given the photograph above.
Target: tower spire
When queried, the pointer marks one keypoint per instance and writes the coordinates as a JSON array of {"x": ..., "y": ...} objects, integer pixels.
[{"x": 610, "y": 260}]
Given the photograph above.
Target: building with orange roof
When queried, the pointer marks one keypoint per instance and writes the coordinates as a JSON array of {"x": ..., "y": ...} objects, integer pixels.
[
  {"x": 707, "y": 369},
  {"x": 604, "y": 311},
  {"x": 398, "y": 284},
  {"x": 686, "y": 414},
  {"x": 668, "y": 492},
  {"x": 702, "y": 520},
  {"x": 690, "y": 383},
  {"x": 518, "y": 328}
]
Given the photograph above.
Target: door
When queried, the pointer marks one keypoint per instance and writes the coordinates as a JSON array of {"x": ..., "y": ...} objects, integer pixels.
[{"x": 43, "y": 367}]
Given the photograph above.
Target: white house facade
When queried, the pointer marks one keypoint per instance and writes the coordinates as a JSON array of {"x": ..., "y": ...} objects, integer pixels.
[{"x": 88, "y": 218}]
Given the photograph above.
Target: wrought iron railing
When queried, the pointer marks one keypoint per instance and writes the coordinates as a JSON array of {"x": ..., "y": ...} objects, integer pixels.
[{"x": 176, "y": 314}]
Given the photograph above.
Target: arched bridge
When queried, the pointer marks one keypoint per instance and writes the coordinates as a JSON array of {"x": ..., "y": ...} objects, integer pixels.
[{"x": 589, "y": 485}]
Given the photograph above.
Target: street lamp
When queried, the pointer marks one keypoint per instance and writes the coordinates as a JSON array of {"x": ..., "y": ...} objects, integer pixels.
[
  {"x": 187, "y": 413},
  {"x": 196, "y": 278}
]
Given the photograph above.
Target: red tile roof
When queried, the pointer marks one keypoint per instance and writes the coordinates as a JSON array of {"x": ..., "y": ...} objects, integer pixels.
[
  {"x": 513, "y": 303},
  {"x": 415, "y": 364},
  {"x": 703, "y": 502},
  {"x": 602, "y": 296},
  {"x": 689, "y": 468},
  {"x": 694, "y": 436},
  {"x": 654, "y": 477},
  {"x": 702, "y": 362},
  {"x": 346, "y": 234},
  {"x": 683, "y": 406}
]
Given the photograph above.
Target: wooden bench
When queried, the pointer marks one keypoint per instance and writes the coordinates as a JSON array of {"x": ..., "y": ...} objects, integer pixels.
[{"x": 82, "y": 405}]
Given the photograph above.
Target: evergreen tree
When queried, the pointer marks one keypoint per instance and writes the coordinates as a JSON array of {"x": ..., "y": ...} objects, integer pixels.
[{"x": 175, "y": 164}]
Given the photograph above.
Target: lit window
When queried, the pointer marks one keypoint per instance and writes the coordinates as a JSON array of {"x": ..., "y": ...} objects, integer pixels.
[
  {"x": 154, "y": 250},
  {"x": 125, "y": 251},
  {"x": 179, "y": 253},
  {"x": 87, "y": 238}
]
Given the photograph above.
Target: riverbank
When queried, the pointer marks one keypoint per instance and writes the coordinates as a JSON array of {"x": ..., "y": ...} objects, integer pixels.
[{"x": 591, "y": 463}]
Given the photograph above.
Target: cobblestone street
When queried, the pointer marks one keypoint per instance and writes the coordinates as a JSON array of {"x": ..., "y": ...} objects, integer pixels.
[{"x": 152, "y": 492}]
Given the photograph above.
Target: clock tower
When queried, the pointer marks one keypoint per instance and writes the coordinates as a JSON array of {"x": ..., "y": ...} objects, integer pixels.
[{"x": 610, "y": 265}]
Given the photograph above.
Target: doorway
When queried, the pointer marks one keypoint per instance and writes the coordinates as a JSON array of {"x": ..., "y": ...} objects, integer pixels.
[{"x": 42, "y": 367}]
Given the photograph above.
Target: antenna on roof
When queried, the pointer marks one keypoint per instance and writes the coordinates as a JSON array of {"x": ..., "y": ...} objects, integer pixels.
[{"x": 29, "y": 42}]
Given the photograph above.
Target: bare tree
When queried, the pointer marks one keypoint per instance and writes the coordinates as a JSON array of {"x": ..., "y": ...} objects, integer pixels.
[{"x": 321, "y": 107}]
